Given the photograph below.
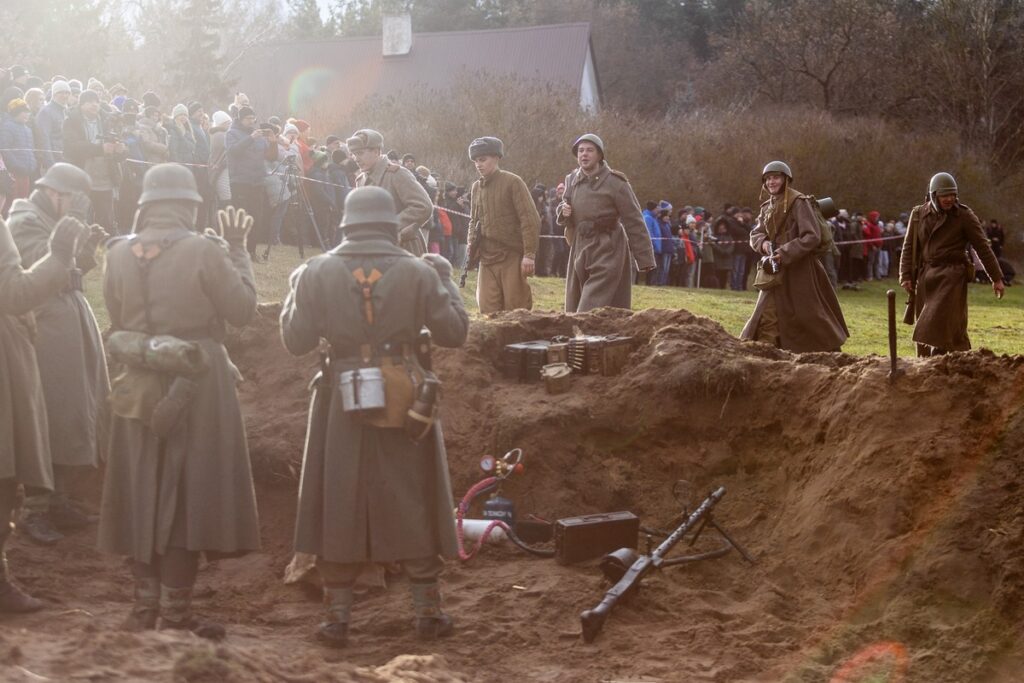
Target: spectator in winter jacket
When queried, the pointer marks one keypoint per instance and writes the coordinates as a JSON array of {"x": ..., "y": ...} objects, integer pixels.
[
  {"x": 88, "y": 145},
  {"x": 654, "y": 230},
  {"x": 873, "y": 235},
  {"x": 153, "y": 137},
  {"x": 181, "y": 143},
  {"x": 17, "y": 142},
  {"x": 248, "y": 150},
  {"x": 50, "y": 126},
  {"x": 668, "y": 247}
]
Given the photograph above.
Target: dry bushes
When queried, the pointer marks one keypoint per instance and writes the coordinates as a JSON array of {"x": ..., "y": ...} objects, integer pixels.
[{"x": 707, "y": 157}]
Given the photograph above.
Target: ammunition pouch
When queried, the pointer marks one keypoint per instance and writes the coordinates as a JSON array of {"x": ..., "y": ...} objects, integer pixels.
[{"x": 764, "y": 278}]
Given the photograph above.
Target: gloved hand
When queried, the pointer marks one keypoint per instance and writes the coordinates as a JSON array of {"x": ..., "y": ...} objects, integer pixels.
[
  {"x": 86, "y": 257},
  {"x": 79, "y": 206},
  {"x": 234, "y": 225},
  {"x": 65, "y": 237},
  {"x": 440, "y": 264}
]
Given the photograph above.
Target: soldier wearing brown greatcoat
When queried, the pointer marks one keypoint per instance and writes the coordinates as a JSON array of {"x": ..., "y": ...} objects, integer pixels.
[
  {"x": 605, "y": 230},
  {"x": 505, "y": 222},
  {"x": 24, "y": 436},
  {"x": 169, "y": 496},
  {"x": 411, "y": 200},
  {"x": 798, "y": 309},
  {"x": 935, "y": 267}
]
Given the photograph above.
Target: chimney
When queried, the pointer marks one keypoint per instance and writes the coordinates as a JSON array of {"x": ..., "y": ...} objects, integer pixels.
[{"x": 397, "y": 34}]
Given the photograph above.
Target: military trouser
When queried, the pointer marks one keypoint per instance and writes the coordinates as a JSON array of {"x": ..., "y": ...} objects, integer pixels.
[{"x": 501, "y": 286}]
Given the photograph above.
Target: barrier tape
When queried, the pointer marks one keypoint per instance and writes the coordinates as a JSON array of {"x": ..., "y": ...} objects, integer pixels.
[{"x": 450, "y": 211}]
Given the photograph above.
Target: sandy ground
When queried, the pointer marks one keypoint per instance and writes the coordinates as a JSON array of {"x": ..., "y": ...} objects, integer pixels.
[{"x": 886, "y": 518}]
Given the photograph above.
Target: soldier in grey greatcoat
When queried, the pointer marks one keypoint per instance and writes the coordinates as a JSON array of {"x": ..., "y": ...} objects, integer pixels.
[
  {"x": 72, "y": 363},
  {"x": 411, "y": 200},
  {"x": 173, "y": 491},
  {"x": 372, "y": 493},
  {"x": 24, "y": 437}
]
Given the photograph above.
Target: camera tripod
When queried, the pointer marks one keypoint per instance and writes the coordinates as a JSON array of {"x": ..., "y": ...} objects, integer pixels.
[{"x": 293, "y": 178}]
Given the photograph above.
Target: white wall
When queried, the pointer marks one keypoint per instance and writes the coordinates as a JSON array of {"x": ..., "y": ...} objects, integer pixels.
[{"x": 590, "y": 98}]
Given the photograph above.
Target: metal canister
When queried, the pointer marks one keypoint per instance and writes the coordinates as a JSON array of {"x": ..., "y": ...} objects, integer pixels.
[
  {"x": 361, "y": 389},
  {"x": 556, "y": 377},
  {"x": 558, "y": 353}
]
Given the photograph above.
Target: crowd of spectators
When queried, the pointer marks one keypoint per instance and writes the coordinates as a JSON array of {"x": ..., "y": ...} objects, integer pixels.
[{"x": 295, "y": 184}]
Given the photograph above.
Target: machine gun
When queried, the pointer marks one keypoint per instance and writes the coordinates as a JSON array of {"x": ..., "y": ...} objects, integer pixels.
[
  {"x": 473, "y": 256},
  {"x": 628, "y": 569}
]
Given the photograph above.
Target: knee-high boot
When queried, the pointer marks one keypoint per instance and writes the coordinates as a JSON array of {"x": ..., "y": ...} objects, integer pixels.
[
  {"x": 431, "y": 622},
  {"x": 338, "y": 605},
  {"x": 176, "y": 613},
  {"x": 12, "y": 598},
  {"x": 147, "y": 605}
]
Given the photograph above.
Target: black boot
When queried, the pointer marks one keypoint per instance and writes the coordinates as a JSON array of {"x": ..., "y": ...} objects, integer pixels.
[
  {"x": 333, "y": 632},
  {"x": 176, "y": 613},
  {"x": 65, "y": 516},
  {"x": 39, "y": 529},
  {"x": 431, "y": 622},
  {"x": 147, "y": 605},
  {"x": 13, "y": 599}
]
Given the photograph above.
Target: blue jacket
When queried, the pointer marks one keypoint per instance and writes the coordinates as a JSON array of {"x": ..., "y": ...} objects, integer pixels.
[
  {"x": 653, "y": 229},
  {"x": 18, "y": 136},
  {"x": 337, "y": 176},
  {"x": 668, "y": 245},
  {"x": 50, "y": 128},
  {"x": 246, "y": 155},
  {"x": 202, "y": 143}
]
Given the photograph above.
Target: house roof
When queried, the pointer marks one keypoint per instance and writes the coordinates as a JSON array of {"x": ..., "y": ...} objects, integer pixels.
[{"x": 291, "y": 77}]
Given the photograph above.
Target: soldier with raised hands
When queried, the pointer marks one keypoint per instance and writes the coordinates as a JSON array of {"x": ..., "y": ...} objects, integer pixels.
[
  {"x": 72, "y": 363},
  {"x": 411, "y": 201},
  {"x": 605, "y": 229},
  {"x": 24, "y": 436},
  {"x": 375, "y": 485},
  {"x": 178, "y": 481}
]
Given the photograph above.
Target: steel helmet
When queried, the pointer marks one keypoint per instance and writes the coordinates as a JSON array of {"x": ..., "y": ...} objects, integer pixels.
[
  {"x": 777, "y": 167},
  {"x": 941, "y": 183},
  {"x": 588, "y": 137},
  {"x": 370, "y": 208},
  {"x": 169, "y": 181},
  {"x": 65, "y": 179}
]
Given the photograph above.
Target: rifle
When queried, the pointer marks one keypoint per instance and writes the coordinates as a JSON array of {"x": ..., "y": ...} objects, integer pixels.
[
  {"x": 593, "y": 620},
  {"x": 910, "y": 311},
  {"x": 473, "y": 257}
]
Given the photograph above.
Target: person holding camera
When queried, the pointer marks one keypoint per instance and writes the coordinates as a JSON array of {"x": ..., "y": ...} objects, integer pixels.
[
  {"x": 248, "y": 149},
  {"x": 375, "y": 486},
  {"x": 90, "y": 144},
  {"x": 797, "y": 308}
]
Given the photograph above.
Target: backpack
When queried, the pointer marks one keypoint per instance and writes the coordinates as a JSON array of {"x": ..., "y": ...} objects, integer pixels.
[{"x": 828, "y": 242}]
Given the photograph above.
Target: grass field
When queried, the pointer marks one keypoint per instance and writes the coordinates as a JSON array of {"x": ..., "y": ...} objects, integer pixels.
[{"x": 996, "y": 325}]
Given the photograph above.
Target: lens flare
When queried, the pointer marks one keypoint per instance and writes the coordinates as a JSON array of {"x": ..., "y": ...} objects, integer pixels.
[{"x": 308, "y": 86}]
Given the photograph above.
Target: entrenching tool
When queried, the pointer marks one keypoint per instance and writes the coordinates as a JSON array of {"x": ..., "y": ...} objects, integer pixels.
[{"x": 893, "y": 371}]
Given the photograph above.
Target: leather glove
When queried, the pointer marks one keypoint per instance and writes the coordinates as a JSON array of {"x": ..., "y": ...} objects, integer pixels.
[
  {"x": 234, "y": 225},
  {"x": 440, "y": 264},
  {"x": 86, "y": 258},
  {"x": 79, "y": 206},
  {"x": 64, "y": 238}
]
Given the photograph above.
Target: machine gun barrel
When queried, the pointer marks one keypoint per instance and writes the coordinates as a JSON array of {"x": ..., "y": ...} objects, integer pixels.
[{"x": 592, "y": 620}]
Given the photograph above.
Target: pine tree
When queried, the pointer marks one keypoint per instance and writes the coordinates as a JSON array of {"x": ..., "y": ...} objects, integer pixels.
[{"x": 197, "y": 65}]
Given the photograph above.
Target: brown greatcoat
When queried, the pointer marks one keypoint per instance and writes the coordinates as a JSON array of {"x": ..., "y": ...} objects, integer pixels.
[
  {"x": 600, "y": 271},
  {"x": 939, "y": 242},
  {"x": 411, "y": 201},
  {"x": 72, "y": 364},
  {"x": 24, "y": 437},
  {"x": 370, "y": 494},
  {"x": 197, "y": 481},
  {"x": 808, "y": 312}
]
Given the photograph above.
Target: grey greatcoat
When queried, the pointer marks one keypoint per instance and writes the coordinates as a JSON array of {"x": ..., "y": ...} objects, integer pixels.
[
  {"x": 24, "y": 438},
  {"x": 934, "y": 257},
  {"x": 411, "y": 201},
  {"x": 370, "y": 494},
  {"x": 72, "y": 364},
  {"x": 193, "y": 489},
  {"x": 806, "y": 306},
  {"x": 601, "y": 262}
]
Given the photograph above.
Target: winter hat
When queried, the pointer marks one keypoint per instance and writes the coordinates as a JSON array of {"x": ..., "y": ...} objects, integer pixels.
[
  {"x": 94, "y": 84},
  {"x": 119, "y": 102},
  {"x": 449, "y": 186},
  {"x": 873, "y": 216},
  {"x": 59, "y": 87},
  {"x": 220, "y": 119},
  {"x": 690, "y": 220},
  {"x": 243, "y": 112},
  {"x": 130, "y": 106},
  {"x": 663, "y": 205},
  {"x": 193, "y": 107},
  {"x": 17, "y": 106},
  {"x": 89, "y": 96},
  {"x": 118, "y": 89},
  {"x": 301, "y": 125},
  {"x": 290, "y": 128},
  {"x": 423, "y": 171},
  {"x": 331, "y": 139},
  {"x": 408, "y": 157},
  {"x": 486, "y": 146},
  {"x": 843, "y": 213},
  {"x": 75, "y": 85},
  {"x": 179, "y": 110},
  {"x": 150, "y": 99},
  {"x": 431, "y": 182},
  {"x": 17, "y": 71}
]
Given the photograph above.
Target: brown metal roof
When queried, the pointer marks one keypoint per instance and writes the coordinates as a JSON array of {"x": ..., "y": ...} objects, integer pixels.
[{"x": 294, "y": 78}]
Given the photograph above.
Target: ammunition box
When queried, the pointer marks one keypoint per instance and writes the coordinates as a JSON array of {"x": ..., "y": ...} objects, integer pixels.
[
  {"x": 558, "y": 353},
  {"x": 523, "y": 361},
  {"x": 578, "y": 539},
  {"x": 614, "y": 354}
]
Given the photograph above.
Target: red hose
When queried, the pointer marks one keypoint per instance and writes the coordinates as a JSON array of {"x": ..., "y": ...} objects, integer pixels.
[{"x": 461, "y": 511}]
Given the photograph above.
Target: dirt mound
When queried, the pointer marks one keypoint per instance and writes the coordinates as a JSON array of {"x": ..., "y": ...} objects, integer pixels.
[{"x": 886, "y": 518}]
